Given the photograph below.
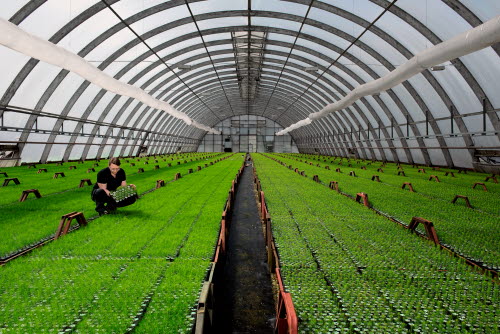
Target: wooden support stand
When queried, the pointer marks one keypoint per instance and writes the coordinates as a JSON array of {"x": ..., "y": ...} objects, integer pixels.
[
  {"x": 338, "y": 170},
  {"x": 409, "y": 186},
  {"x": 177, "y": 176},
  {"x": 25, "y": 194},
  {"x": 334, "y": 185},
  {"x": 352, "y": 173},
  {"x": 363, "y": 167},
  {"x": 434, "y": 177},
  {"x": 363, "y": 196},
  {"x": 198, "y": 168},
  {"x": 146, "y": 163},
  {"x": 190, "y": 170},
  {"x": 376, "y": 178},
  {"x": 140, "y": 170},
  {"x": 492, "y": 178},
  {"x": 56, "y": 175},
  {"x": 380, "y": 170},
  {"x": 462, "y": 171},
  {"x": 480, "y": 184},
  {"x": 401, "y": 173},
  {"x": 449, "y": 173},
  {"x": 4, "y": 174},
  {"x": 13, "y": 179},
  {"x": 96, "y": 165},
  {"x": 66, "y": 220},
  {"x": 31, "y": 166},
  {"x": 465, "y": 198},
  {"x": 436, "y": 168},
  {"x": 132, "y": 164},
  {"x": 83, "y": 181},
  {"x": 90, "y": 170},
  {"x": 160, "y": 183},
  {"x": 72, "y": 167},
  {"x": 59, "y": 164},
  {"x": 429, "y": 228},
  {"x": 80, "y": 162},
  {"x": 303, "y": 173},
  {"x": 157, "y": 167},
  {"x": 421, "y": 170},
  {"x": 206, "y": 165},
  {"x": 327, "y": 167},
  {"x": 316, "y": 178},
  {"x": 42, "y": 170}
]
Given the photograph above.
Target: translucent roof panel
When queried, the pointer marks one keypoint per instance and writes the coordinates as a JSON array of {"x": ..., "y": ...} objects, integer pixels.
[{"x": 292, "y": 51}]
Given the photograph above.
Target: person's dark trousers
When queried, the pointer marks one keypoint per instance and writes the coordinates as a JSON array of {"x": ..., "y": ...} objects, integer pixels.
[{"x": 102, "y": 201}]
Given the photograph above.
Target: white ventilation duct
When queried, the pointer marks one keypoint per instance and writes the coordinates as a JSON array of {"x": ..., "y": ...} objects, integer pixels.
[
  {"x": 19, "y": 40},
  {"x": 470, "y": 41}
]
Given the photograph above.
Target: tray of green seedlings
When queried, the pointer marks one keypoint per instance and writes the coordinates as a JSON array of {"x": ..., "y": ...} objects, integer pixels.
[
  {"x": 470, "y": 233},
  {"x": 101, "y": 280},
  {"x": 376, "y": 273},
  {"x": 445, "y": 190},
  {"x": 29, "y": 223}
]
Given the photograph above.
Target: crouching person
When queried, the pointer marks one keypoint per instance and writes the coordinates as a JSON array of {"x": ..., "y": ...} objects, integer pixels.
[{"x": 109, "y": 179}]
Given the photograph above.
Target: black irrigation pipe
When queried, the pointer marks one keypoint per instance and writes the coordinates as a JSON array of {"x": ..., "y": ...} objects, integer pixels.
[
  {"x": 27, "y": 249},
  {"x": 470, "y": 261}
]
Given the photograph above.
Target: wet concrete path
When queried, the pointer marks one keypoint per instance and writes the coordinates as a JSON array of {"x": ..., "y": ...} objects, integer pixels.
[{"x": 246, "y": 303}]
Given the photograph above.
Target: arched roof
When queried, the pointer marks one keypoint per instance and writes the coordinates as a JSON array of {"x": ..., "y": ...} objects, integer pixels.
[{"x": 282, "y": 60}]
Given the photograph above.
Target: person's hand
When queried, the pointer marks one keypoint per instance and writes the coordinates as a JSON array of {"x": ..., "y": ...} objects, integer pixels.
[
  {"x": 133, "y": 186},
  {"x": 107, "y": 192}
]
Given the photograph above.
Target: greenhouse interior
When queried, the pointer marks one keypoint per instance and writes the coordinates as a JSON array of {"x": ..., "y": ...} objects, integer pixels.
[{"x": 249, "y": 166}]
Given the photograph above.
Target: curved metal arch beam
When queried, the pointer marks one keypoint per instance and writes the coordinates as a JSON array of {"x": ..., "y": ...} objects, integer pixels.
[
  {"x": 213, "y": 83},
  {"x": 396, "y": 45},
  {"x": 181, "y": 102},
  {"x": 335, "y": 88},
  {"x": 349, "y": 86},
  {"x": 95, "y": 9},
  {"x": 474, "y": 21},
  {"x": 215, "y": 13},
  {"x": 414, "y": 128},
  {"x": 374, "y": 75},
  {"x": 435, "y": 84},
  {"x": 329, "y": 128},
  {"x": 29, "y": 66},
  {"x": 328, "y": 131},
  {"x": 468, "y": 16}
]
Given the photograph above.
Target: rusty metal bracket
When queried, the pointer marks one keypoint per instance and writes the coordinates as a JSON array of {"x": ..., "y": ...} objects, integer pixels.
[
  {"x": 429, "y": 228},
  {"x": 66, "y": 220}
]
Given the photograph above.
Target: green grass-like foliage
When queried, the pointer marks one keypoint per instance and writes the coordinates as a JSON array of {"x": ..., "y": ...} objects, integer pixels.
[
  {"x": 350, "y": 270},
  {"x": 26, "y": 223},
  {"x": 472, "y": 233},
  {"x": 139, "y": 270}
]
